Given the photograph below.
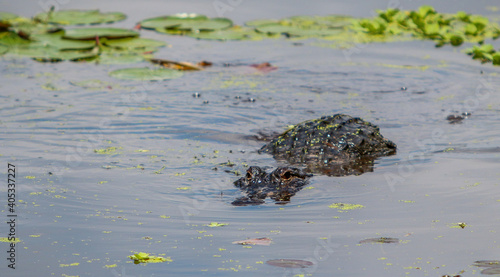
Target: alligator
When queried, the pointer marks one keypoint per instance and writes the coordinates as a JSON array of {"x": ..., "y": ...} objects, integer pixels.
[
  {"x": 337, "y": 145},
  {"x": 279, "y": 185}
]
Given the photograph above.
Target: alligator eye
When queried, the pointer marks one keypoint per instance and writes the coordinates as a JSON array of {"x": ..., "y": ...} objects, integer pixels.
[{"x": 287, "y": 175}]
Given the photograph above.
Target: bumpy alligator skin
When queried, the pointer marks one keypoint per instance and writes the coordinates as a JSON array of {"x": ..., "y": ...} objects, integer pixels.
[
  {"x": 279, "y": 185},
  {"x": 336, "y": 145}
]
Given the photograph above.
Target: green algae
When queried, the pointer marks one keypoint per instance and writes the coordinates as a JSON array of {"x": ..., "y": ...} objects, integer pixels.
[
  {"x": 345, "y": 206},
  {"x": 142, "y": 257}
]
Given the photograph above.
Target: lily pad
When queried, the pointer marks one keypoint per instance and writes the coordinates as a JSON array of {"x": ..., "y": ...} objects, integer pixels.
[
  {"x": 120, "y": 58},
  {"x": 12, "y": 39},
  {"x": 79, "y": 17},
  {"x": 260, "y": 22},
  {"x": 176, "y": 65},
  {"x": 146, "y": 74},
  {"x": 4, "y": 16},
  {"x": 51, "y": 54},
  {"x": 134, "y": 43},
  {"x": 92, "y": 33},
  {"x": 170, "y": 21},
  {"x": 205, "y": 25},
  {"x": 233, "y": 33},
  {"x": 3, "y": 49},
  {"x": 55, "y": 40},
  {"x": 184, "y": 23},
  {"x": 30, "y": 27},
  {"x": 290, "y": 263}
]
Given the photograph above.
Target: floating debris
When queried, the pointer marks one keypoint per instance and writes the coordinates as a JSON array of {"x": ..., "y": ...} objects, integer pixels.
[
  {"x": 257, "y": 241},
  {"x": 290, "y": 263},
  {"x": 380, "y": 240}
]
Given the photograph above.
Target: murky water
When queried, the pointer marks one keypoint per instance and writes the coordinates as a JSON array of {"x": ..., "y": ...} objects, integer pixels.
[{"x": 82, "y": 213}]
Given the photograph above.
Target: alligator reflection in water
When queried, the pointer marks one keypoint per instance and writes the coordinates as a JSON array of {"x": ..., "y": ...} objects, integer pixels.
[
  {"x": 336, "y": 145},
  {"x": 279, "y": 185}
]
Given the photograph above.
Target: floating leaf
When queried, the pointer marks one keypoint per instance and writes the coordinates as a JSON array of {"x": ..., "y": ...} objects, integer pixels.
[
  {"x": 12, "y": 39},
  {"x": 233, "y": 33},
  {"x": 26, "y": 28},
  {"x": 92, "y": 33},
  {"x": 496, "y": 58},
  {"x": 134, "y": 43},
  {"x": 193, "y": 22},
  {"x": 258, "y": 241},
  {"x": 4, "y": 16},
  {"x": 3, "y": 49},
  {"x": 146, "y": 74},
  {"x": 290, "y": 263},
  {"x": 176, "y": 65},
  {"x": 51, "y": 54},
  {"x": 79, "y": 17},
  {"x": 260, "y": 22},
  {"x": 55, "y": 40},
  {"x": 380, "y": 240},
  {"x": 216, "y": 224},
  {"x": 169, "y": 21}
]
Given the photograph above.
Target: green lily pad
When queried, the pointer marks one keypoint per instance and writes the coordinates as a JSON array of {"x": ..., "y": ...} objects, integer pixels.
[
  {"x": 233, "y": 33},
  {"x": 170, "y": 21},
  {"x": 50, "y": 54},
  {"x": 134, "y": 43},
  {"x": 120, "y": 58},
  {"x": 260, "y": 22},
  {"x": 12, "y": 39},
  {"x": 79, "y": 17},
  {"x": 205, "y": 25},
  {"x": 31, "y": 27},
  {"x": 56, "y": 40},
  {"x": 193, "y": 22},
  {"x": 92, "y": 33},
  {"x": 4, "y": 16},
  {"x": 3, "y": 49},
  {"x": 146, "y": 74}
]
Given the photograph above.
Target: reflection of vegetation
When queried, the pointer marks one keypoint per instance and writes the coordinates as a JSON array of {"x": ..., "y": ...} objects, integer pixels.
[{"x": 44, "y": 39}]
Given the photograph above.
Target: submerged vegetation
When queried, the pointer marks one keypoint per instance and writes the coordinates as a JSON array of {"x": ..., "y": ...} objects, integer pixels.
[{"x": 50, "y": 37}]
